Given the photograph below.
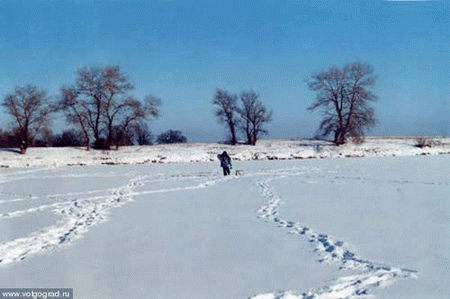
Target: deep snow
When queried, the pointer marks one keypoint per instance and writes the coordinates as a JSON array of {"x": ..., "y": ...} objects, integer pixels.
[{"x": 328, "y": 228}]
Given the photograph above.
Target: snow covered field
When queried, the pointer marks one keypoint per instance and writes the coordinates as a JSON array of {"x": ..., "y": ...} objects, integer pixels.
[
  {"x": 300, "y": 228},
  {"x": 207, "y": 152}
]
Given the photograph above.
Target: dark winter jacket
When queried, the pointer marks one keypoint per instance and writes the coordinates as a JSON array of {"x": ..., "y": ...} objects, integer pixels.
[{"x": 225, "y": 160}]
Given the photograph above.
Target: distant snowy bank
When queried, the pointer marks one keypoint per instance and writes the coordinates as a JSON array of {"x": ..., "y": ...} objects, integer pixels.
[{"x": 206, "y": 152}]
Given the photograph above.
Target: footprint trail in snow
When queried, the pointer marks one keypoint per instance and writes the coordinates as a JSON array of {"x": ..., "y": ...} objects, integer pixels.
[
  {"x": 371, "y": 274},
  {"x": 78, "y": 211}
]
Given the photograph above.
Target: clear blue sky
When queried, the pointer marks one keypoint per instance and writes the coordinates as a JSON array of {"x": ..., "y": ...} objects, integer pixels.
[{"x": 181, "y": 51}]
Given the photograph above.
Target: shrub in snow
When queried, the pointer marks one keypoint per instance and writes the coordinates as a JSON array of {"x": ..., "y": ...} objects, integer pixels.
[
  {"x": 424, "y": 142},
  {"x": 171, "y": 137}
]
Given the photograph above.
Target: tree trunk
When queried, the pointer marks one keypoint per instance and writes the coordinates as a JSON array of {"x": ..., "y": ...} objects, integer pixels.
[
  {"x": 255, "y": 137},
  {"x": 24, "y": 140},
  {"x": 110, "y": 138},
  {"x": 248, "y": 132},
  {"x": 88, "y": 143},
  {"x": 233, "y": 133},
  {"x": 339, "y": 137}
]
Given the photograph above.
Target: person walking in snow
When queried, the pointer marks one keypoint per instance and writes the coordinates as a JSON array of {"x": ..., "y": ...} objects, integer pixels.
[{"x": 225, "y": 163}]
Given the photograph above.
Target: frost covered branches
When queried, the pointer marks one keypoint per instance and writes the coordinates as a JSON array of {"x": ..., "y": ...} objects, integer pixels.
[
  {"x": 344, "y": 95},
  {"x": 100, "y": 104},
  {"x": 30, "y": 108}
]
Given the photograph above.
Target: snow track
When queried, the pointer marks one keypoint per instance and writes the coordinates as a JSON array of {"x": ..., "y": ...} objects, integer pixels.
[
  {"x": 77, "y": 214},
  {"x": 78, "y": 209},
  {"x": 331, "y": 251}
]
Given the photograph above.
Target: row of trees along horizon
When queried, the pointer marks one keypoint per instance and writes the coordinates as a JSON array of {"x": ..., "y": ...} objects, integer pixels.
[{"x": 104, "y": 114}]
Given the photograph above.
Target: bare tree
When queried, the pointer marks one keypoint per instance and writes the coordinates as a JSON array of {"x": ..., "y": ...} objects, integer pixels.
[
  {"x": 345, "y": 96},
  {"x": 254, "y": 115},
  {"x": 89, "y": 91},
  {"x": 142, "y": 133},
  {"x": 44, "y": 138},
  {"x": 30, "y": 107},
  {"x": 248, "y": 101},
  {"x": 8, "y": 139},
  {"x": 101, "y": 104},
  {"x": 69, "y": 138},
  {"x": 226, "y": 110},
  {"x": 132, "y": 113},
  {"x": 77, "y": 112},
  {"x": 171, "y": 136}
]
